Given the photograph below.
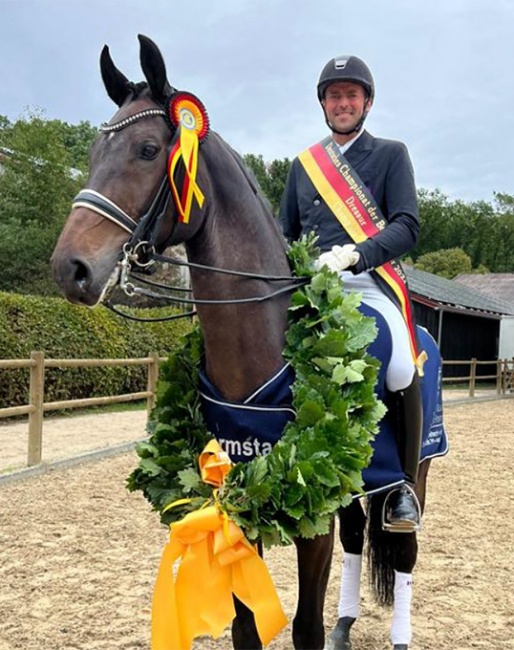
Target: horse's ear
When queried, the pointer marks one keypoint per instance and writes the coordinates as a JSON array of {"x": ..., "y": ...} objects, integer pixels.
[
  {"x": 115, "y": 82},
  {"x": 154, "y": 68}
]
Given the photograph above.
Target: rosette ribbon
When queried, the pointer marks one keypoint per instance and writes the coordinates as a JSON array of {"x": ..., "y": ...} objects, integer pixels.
[
  {"x": 215, "y": 563},
  {"x": 182, "y": 168}
]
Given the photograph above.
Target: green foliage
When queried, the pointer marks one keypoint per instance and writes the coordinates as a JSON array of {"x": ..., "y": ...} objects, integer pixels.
[
  {"x": 271, "y": 177},
  {"x": 446, "y": 263},
  {"x": 62, "y": 330},
  {"x": 483, "y": 231},
  {"x": 77, "y": 140},
  {"x": 317, "y": 464},
  {"x": 36, "y": 183},
  {"x": 40, "y": 176}
]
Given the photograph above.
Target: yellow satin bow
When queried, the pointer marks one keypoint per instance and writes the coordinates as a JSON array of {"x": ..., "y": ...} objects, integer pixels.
[{"x": 216, "y": 562}]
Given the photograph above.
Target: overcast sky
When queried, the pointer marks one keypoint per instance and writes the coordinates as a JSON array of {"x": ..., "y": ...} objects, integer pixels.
[{"x": 444, "y": 72}]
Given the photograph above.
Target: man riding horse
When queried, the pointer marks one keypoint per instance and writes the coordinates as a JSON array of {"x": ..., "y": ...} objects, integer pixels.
[{"x": 360, "y": 200}]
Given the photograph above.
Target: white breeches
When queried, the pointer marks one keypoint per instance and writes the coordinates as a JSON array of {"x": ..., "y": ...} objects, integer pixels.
[{"x": 401, "y": 368}]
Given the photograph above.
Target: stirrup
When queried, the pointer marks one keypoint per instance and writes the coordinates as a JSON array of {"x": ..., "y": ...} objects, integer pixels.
[{"x": 402, "y": 525}]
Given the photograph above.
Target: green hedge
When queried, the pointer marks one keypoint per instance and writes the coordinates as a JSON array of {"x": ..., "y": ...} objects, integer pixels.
[{"x": 65, "y": 331}]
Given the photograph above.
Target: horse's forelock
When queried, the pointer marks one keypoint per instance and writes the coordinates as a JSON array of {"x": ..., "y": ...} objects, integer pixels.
[{"x": 138, "y": 90}]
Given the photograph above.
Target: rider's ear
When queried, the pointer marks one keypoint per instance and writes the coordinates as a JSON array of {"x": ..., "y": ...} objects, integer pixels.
[
  {"x": 154, "y": 69},
  {"x": 115, "y": 82}
]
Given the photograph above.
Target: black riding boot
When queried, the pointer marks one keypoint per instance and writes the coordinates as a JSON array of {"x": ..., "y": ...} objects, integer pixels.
[{"x": 402, "y": 507}]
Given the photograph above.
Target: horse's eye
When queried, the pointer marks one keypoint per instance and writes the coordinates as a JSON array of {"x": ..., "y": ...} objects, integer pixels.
[{"x": 149, "y": 151}]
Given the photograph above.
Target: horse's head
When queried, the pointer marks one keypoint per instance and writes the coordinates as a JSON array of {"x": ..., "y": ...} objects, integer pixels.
[{"x": 127, "y": 193}]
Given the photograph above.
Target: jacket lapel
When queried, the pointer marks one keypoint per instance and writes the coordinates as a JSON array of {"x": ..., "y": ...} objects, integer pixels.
[{"x": 359, "y": 151}]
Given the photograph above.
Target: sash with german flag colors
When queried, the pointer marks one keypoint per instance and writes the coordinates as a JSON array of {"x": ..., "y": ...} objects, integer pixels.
[{"x": 354, "y": 207}]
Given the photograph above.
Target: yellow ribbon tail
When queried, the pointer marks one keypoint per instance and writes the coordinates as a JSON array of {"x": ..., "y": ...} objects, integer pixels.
[
  {"x": 166, "y": 629},
  {"x": 254, "y": 587},
  {"x": 216, "y": 562},
  {"x": 185, "y": 153},
  {"x": 420, "y": 362}
]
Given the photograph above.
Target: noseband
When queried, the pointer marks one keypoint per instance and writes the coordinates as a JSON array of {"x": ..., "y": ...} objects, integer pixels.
[{"x": 140, "y": 251}]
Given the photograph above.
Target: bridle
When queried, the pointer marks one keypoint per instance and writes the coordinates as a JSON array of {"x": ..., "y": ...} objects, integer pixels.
[{"x": 139, "y": 254}]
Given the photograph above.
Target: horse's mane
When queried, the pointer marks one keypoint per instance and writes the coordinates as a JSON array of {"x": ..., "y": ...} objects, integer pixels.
[{"x": 255, "y": 187}]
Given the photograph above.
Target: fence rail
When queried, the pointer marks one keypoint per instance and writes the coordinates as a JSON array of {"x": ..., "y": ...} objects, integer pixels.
[
  {"x": 37, "y": 364},
  {"x": 503, "y": 377},
  {"x": 37, "y": 406}
]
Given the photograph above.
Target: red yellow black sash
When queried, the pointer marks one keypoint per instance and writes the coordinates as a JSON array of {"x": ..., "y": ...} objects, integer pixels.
[{"x": 355, "y": 208}]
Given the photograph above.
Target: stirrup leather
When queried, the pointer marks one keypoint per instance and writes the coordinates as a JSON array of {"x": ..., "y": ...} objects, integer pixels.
[{"x": 402, "y": 525}]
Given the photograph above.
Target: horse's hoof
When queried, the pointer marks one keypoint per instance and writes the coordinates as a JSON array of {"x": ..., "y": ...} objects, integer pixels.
[
  {"x": 340, "y": 637},
  {"x": 400, "y": 646}
]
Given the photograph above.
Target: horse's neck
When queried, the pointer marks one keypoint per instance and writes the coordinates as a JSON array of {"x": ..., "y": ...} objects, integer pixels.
[{"x": 243, "y": 343}]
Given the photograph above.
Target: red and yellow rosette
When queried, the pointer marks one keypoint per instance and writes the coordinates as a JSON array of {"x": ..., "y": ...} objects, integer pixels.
[
  {"x": 216, "y": 561},
  {"x": 187, "y": 114}
]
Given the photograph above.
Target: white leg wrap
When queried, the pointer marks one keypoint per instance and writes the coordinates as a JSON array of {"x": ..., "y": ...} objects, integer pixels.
[
  {"x": 349, "y": 598},
  {"x": 401, "y": 631}
]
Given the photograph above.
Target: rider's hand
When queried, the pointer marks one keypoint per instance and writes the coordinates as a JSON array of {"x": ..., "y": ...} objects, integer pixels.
[{"x": 339, "y": 258}]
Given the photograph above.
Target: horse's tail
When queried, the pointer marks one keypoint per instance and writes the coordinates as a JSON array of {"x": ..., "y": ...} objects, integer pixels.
[{"x": 382, "y": 549}]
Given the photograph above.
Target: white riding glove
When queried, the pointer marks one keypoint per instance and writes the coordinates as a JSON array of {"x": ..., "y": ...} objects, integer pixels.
[{"x": 338, "y": 258}]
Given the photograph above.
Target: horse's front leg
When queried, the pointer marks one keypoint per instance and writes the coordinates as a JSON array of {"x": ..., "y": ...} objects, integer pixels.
[
  {"x": 314, "y": 558},
  {"x": 244, "y": 630},
  {"x": 352, "y": 523}
]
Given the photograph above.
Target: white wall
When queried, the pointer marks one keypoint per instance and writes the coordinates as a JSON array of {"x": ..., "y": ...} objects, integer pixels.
[{"x": 506, "y": 350}]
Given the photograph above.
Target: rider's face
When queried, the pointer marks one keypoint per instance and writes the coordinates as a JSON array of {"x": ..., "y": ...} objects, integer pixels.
[{"x": 344, "y": 104}]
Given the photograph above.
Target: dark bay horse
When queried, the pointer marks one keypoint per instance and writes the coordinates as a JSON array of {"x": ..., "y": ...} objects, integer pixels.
[{"x": 233, "y": 229}]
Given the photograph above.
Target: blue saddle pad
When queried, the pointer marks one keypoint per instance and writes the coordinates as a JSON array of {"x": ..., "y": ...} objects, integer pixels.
[
  {"x": 385, "y": 470},
  {"x": 250, "y": 428}
]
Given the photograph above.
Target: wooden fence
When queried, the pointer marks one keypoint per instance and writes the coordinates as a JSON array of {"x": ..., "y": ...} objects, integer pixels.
[
  {"x": 503, "y": 378},
  {"x": 36, "y": 406}
]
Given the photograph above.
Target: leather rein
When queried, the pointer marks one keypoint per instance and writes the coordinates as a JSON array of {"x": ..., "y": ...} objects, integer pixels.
[{"x": 139, "y": 254}]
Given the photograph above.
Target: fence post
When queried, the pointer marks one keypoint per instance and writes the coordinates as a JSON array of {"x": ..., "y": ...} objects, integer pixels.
[
  {"x": 498, "y": 376},
  {"x": 36, "y": 398},
  {"x": 153, "y": 374},
  {"x": 472, "y": 378},
  {"x": 507, "y": 375}
]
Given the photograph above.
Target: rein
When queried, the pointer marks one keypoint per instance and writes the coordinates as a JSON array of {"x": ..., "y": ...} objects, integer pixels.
[
  {"x": 140, "y": 248},
  {"x": 130, "y": 289}
]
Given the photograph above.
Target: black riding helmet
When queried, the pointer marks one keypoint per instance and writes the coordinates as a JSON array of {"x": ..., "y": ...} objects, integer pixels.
[{"x": 346, "y": 67}]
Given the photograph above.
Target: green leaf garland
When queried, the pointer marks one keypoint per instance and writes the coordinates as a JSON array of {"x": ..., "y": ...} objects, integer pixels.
[{"x": 317, "y": 464}]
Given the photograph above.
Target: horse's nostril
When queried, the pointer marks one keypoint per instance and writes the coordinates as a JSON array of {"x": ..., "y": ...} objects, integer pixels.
[{"x": 81, "y": 275}]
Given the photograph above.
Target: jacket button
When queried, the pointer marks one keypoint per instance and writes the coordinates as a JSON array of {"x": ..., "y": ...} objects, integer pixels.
[{"x": 317, "y": 202}]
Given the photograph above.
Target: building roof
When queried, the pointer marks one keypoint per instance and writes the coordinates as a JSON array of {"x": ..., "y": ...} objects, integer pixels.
[
  {"x": 498, "y": 286},
  {"x": 452, "y": 294}
]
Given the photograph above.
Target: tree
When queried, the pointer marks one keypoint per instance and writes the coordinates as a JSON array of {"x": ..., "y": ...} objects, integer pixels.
[
  {"x": 447, "y": 263},
  {"x": 270, "y": 176},
  {"x": 433, "y": 212},
  {"x": 483, "y": 231},
  {"x": 77, "y": 140},
  {"x": 37, "y": 186}
]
